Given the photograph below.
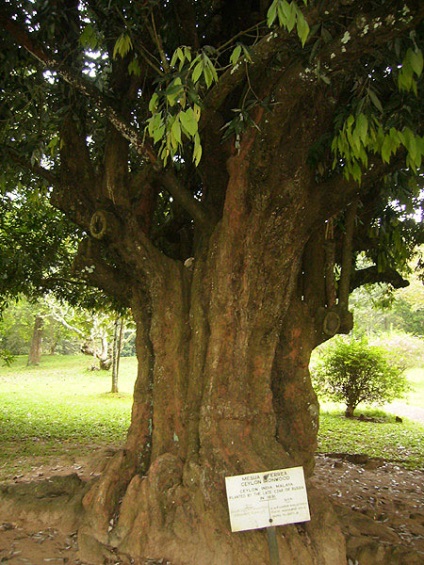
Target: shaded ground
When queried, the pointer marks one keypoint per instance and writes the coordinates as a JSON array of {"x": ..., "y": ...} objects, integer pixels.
[{"x": 380, "y": 505}]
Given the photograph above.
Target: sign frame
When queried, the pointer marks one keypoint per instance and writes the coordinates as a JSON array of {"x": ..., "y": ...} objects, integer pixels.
[{"x": 267, "y": 499}]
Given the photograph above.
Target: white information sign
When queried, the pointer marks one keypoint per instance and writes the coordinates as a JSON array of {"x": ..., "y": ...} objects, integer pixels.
[{"x": 260, "y": 500}]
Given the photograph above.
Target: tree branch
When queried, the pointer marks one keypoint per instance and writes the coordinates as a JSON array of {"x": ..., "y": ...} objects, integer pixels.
[
  {"x": 372, "y": 275},
  {"x": 261, "y": 53},
  {"x": 83, "y": 86},
  {"x": 185, "y": 199},
  {"x": 142, "y": 147},
  {"x": 34, "y": 168},
  {"x": 347, "y": 254},
  {"x": 89, "y": 265},
  {"x": 368, "y": 30}
]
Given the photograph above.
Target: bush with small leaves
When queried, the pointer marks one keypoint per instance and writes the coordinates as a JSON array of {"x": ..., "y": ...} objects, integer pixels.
[{"x": 352, "y": 371}]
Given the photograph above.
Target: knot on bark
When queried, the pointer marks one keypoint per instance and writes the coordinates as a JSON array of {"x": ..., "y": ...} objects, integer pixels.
[
  {"x": 332, "y": 321},
  {"x": 103, "y": 224}
]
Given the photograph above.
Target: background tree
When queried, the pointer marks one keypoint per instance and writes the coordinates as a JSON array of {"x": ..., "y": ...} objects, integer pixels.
[
  {"x": 37, "y": 244},
  {"x": 118, "y": 335},
  {"x": 57, "y": 327},
  {"x": 380, "y": 308},
  {"x": 34, "y": 355},
  {"x": 352, "y": 372},
  {"x": 227, "y": 164}
]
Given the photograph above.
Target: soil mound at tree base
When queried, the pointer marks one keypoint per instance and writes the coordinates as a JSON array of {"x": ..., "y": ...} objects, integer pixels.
[{"x": 379, "y": 506}]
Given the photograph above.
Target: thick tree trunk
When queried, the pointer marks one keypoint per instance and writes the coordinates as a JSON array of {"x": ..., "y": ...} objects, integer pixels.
[
  {"x": 34, "y": 356},
  {"x": 222, "y": 389},
  {"x": 350, "y": 409}
]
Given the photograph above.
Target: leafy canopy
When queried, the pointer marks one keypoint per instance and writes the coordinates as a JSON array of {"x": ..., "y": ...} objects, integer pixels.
[{"x": 96, "y": 96}]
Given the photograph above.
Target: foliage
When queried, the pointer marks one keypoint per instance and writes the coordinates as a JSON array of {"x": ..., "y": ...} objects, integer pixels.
[
  {"x": 403, "y": 346},
  {"x": 381, "y": 308},
  {"x": 65, "y": 327},
  {"x": 151, "y": 75},
  {"x": 351, "y": 371},
  {"x": 6, "y": 356},
  {"x": 36, "y": 245},
  {"x": 17, "y": 323}
]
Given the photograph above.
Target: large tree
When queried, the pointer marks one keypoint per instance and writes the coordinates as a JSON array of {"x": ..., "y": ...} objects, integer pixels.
[{"x": 229, "y": 162}]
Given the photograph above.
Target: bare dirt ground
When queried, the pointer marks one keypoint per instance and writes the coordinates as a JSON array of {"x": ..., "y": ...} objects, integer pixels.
[{"x": 380, "y": 505}]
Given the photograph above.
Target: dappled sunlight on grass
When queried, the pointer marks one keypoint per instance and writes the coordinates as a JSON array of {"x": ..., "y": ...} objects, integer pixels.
[
  {"x": 60, "y": 406},
  {"x": 384, "y": 437}
]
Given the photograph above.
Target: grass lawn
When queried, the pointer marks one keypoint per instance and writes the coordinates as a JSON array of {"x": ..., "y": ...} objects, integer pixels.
[
  {"x": 390, "y": 440},
  {"x": 385, "y": 438},
  {"x": 62, "y": 408}
]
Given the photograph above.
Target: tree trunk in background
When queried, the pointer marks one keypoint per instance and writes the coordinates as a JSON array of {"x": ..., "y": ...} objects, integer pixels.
[
  {"x": 350, "y": 409},
  {"x": 104, "y": 357},
  {"x": 34, "y": 356},
  {"x": 116, "y": 352}
]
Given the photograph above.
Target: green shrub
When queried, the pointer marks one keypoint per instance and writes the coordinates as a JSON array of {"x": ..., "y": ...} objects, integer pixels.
[
  {"x": 351, "y": 371},
  {"x": 6, "y": 357}
]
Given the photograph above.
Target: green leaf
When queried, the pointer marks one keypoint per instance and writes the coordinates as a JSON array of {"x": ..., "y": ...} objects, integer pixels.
[
  {"x": 53, "y": 145},
  {"x": 386, "y": 149},
  {"x": 197, "y": 112},
  {"x": 177, "y": 56},
  {"x": 122, "y": 46},
  {"x": 189, "y": 122},
  {"x": 374, "y": 99},
  {"x": 287, "y": 14},
  {"x": 197, "y": 150},
  {"x": 176, "y": 130},
  {"x": 154, "y": 102},
  {"x": 350, "y": 121},
  {"x": 174, "y": 91},
  {"x": 88, "y": 37},
  {"x": 246, "y": 54},
  {"x": 362, "y": 127},
  {"x": 197, "y": 72},
  {"x": 302, "y": 28},
  {"x": 187, "y": 53},
  {"x": 416, "y": 61},
  {"x": 272, "y": 13},
  {"x": 156, "y": 127},
  {"x": 207, "y": 73},
  {"x": 134, "y": 68},
  {"x": 235, "y": 55},
  {"x": 411, "y": 144}
]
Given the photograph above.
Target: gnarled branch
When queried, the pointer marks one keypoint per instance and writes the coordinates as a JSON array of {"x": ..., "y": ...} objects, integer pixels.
[{"x": 371, "y": 275}]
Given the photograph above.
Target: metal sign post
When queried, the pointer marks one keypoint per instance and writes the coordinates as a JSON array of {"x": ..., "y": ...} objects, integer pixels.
[{"x": 273, "y": 545}]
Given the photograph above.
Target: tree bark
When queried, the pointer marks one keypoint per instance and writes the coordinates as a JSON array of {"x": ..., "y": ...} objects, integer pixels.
[
  {"x": 350, "y": 409},
  {"x": 35, "y": 350},
  {"x": 223, "y": 389}
]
